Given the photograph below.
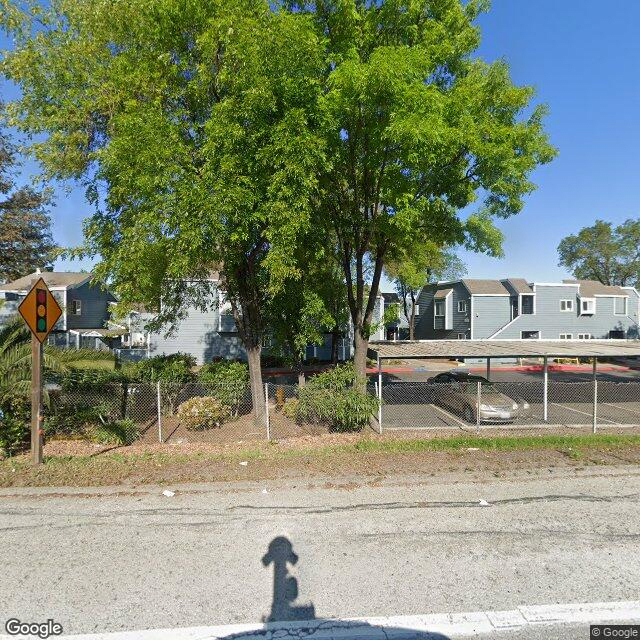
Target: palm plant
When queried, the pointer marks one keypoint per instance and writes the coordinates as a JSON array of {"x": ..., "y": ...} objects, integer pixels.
[{"x": 15, "y": 360}]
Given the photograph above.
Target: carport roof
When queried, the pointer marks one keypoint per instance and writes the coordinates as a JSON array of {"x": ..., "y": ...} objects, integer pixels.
[{"x": 504, "y": 348}]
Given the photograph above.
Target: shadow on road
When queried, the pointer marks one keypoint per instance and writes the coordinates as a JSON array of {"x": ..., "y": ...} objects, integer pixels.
[{"x": 289, "y": 620}]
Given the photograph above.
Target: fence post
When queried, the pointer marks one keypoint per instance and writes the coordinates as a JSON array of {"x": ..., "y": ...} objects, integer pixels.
[
  {"x": 379, "y": 395},
  {"x": 545, "y": 390},
  {"x": 595, "y": 395},
  {"x": 266, "y": 403},
  {"x": 479, "y": 402},
  {"x": 159, "y": 401}
]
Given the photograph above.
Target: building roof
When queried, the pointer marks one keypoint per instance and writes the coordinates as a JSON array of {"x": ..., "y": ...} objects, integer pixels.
[
  {"x": 53, "y": 279},
  {"x": 485, "y": 287},
  {"x": 519, "y": 285},
  {"x": 442, "y": 293},
  {"x": 390, "y": 296},
  {"x": 504, "y": 348},
  {"x": 590, "y": 288}
]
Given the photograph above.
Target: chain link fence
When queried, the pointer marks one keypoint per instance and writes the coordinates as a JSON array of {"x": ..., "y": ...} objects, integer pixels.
[
  {"x": 121, "y": 414},
  {"x": 475, "y": 405}
]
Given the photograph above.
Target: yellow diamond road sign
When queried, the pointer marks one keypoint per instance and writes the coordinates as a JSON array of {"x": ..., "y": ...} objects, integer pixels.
[{"x": 40, "y": 310}]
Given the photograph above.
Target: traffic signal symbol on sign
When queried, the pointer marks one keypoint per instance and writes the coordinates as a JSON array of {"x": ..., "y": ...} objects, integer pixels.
[{"x": 40, "y": 310}]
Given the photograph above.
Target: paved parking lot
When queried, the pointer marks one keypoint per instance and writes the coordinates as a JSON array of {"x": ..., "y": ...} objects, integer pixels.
[{"x": 420, "y": 405}]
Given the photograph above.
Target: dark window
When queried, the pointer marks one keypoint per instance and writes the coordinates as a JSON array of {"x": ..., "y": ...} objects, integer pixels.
[
  {"x": 527, "y": 305},
  {"x": 616, "y": 335},
  {"x": 530, "y": 335}
]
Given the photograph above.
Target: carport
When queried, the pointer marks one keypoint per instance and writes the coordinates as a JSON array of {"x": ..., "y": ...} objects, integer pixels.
[{"x": 488, "y": 349}]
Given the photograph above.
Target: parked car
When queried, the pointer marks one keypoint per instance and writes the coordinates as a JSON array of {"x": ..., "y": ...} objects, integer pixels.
[{"x": 458, "y": 392}]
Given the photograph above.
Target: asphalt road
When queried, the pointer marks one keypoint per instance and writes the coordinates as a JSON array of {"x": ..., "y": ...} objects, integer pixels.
[{"x": 216, "y": 554}]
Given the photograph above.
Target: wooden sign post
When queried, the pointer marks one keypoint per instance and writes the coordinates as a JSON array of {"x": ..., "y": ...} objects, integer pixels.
[{"x": 40, "y": 310}]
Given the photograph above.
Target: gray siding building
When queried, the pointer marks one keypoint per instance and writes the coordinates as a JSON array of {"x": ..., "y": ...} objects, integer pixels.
[
  {"x": 515, "y": 309},
  {"x": 85, "y": 307}
]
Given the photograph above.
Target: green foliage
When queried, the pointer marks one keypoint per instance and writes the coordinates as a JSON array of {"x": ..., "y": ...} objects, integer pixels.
[
  {"x": 75, "y": 379},
  {"x": 74, "y": 412},
  {"x": 15, "y": 428},
  {"x": 175, "y": 368},
  {"x": 25, "y": 227},
  {"x": 119, "y": 432},
  {"x": 228, "y": 381},
  {"x": 15, "y": 360},
  {"x": 202, "y": 412},
  {"x": 421, "y": 264},
  {"x": 333, "y": 397},
  {"x": 604, "y": 253}
]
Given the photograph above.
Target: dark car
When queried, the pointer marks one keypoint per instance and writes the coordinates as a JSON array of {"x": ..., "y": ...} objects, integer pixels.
[{"x": 458, "y": 392}]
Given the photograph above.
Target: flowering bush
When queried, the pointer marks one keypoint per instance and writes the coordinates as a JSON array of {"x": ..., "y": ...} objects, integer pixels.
[{"x": 202, "y": 412}]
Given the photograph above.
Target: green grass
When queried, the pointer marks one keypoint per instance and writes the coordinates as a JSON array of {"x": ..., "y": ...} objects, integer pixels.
[{"x": 95, "y": 364}]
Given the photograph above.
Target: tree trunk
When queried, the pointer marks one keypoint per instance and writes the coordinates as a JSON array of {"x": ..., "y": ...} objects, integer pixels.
[
  {"x": 361, "y": 346},
  {"x": 257, "y": 389},
  {"x": 335, "y": 336},
  {"x": 412, "y": 319}
]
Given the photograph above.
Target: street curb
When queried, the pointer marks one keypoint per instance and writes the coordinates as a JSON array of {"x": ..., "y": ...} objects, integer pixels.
[{"x": 434, "y": 626}]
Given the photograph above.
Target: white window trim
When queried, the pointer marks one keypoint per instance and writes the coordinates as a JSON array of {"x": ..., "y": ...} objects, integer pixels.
[
  {"x": 463, "y": 304},
  {"x": 566, "y": 336},
  {"x": 461, "y": 336},
  {"x": 529, "y": 331},
  {"x": 568, "y": 303},
  {"x": 76, "y": 307},
  {"x": 416, "y": 310},
  {"x": 584, "y": 336},
  {"x": 533, "y": 306},
  {"x": 626, "y": 306},
  {"x": 435, "y": 308},
  {"x": 589, "y": 312}
]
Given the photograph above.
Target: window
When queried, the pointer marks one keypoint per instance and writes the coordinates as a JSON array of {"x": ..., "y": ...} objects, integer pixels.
[
  {"x": 587, "y": 306},
  {"x": 76, "y": 307},
  {"x": 462, "y": 336},
  {"x": 529, "y": 335},
  {"x": 439, "y": 309},
  {"x": 417, "y": 310},
  {"x": 620, "y": 306},
  {"x": 566, "y": 336},
  {"x": 462, "y": 306},
  {"x": 616, "y": 334},
  {"x": 566, "y": 305},
  {"x": 584, "y": 336},
  {"x": 527, "y": 304}
]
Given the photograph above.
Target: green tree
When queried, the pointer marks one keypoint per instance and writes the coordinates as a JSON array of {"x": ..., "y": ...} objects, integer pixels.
[
  {"x": 25, "y": 227},
  {"x": 193, "y": 128},
  {"x": 603, "y": 252},
  {"x": 424, "y": 264},
  {"x": 417, "y": 129}
]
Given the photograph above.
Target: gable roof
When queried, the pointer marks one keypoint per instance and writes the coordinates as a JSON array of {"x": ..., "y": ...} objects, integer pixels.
[
  {"x": 442, "y": 293},
  {"x": 590, "y": 288},
  {"x": 485, "y": 287},
  {"x": 53, "y": 279},
  {"x": 390, "y": 296},
  {"x": 519, "y": 285}
]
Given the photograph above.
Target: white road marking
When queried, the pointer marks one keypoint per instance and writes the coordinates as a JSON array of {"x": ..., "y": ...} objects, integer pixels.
[
  {"x": 623, "y": 408},
  {"x": 448, "y": 624},
  {"x": 584, "y": 413},
  {"x": 449, "y": 415}
]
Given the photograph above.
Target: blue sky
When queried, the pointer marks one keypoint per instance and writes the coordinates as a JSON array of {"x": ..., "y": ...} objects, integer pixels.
[{"x": 583, "y": 58}]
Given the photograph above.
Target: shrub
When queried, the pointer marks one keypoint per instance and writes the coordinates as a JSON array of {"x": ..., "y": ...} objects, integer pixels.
[
  {"x": 120, "y": 432},
  {"x": 228, "y": 381},
  {"x": 176, "y": 367},
  {"x": 202, "y": 412},
  {"x": 15, "y": 427},
  {"x": 333, "y": 397},
  {"x": 77, "y": 378}
]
